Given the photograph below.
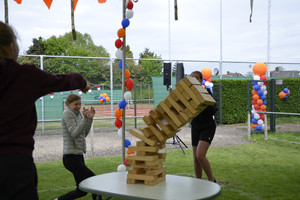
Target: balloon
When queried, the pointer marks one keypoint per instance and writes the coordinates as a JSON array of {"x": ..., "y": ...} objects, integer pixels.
[
  {"x": 127, "y": 73},
  {"x": 125, "y": 22},
  {"x": 254, "y": 121},
  {"x": 253, "y": 125},
  {"x": 265, "y": 92},
  {"x": 129, "y": 152},
  {"x": 101, "y": 101},
  {"x": 281, "y": 95},
  {"x": 127, "y": 95},
  {"x": 258, "y": 127},
  {"x": 256, "y": 106},
  {"x": 263, "y": 97},
  {"x": 254, "y": 83},
  {"x": 256, "y": 77},
  {"x": 127, "y": 143},
  {"x": 121, "y": 32},
  {"x": 107, "y": 98},
  {"x": 265, "y": 102},
  {"x": 121, "y": 168},
  {"x": 256, "y": 116},
  {"x": 120, "y": 132},
  {"x": 118, "y": 113},
  {"x": 260, "y": 122},
  {"x": 118, "y": 123},
  {"x": 253, "y": 112},
  {"x": 209, "y": 80},
  {"x": 130, "y": 5},
  {"x": 263, "y": 87},
  {"x": 259, "y": 68},
  {"x": 119, "y": 54},
  {"x": 259, "y": 101},
  {"x": 122, "y": 104},
  {"x": 263, "y": 107},
  {"x": 118, "y": 43},
  {"x": 260, "y": 92},
  {"x": 256, "y": 87},
  {"x": 125, "y": 162},
  {"x": 129, "y": 14},
  {"x": 255, "y": 97},
  {"x": 260, "y": 83},
  {"x": 254, "y": 92},
  {"x": 206, "y": 72},
  {"x": 253, "y": 102},
  {"x": 263, "y": 77},
  {"x": 285, "y": 90},
  {"x": 129, "y": 84},
  {"x": 121, "y": 64}
]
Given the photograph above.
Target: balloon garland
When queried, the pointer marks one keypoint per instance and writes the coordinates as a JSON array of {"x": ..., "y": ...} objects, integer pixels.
[
  {"x": 206, "y": 82},
  {"x": 129, "y": 83},
  {"x": 259, "y": 93},
  {"x": 284, "y": 94}
]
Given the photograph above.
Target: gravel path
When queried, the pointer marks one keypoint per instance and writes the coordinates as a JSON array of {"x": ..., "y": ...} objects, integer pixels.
[{"x": 106, "y": 142}]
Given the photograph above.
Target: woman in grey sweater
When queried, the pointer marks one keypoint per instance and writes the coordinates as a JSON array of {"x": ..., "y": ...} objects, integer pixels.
[{"x": 76, "y": 125}]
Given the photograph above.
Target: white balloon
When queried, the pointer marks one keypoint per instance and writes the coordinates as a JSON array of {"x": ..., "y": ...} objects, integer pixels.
[
  {"x": 120, "y": 132},
  {"x": 260, "y": 83},
  {"x": 252, "y": 106},
  {"x": 253, "y": 111},
  {"x": 265, "y": 92},
  {"x": 256, "y": 116},
  {"x": 121, "y": 168},
  {"x": 256, "y": 77},
  {"x": 129, "y": 14},
  {"x": 211, "y": 85},
  {"x": 263, "y": 126},
  {"x": 119, "y": 54},
  {"x": 206, "y": 83},
  {"x": 263, "y": 87},
  {"x": 127, "y": 95},
  {"x": 260, "y": 122}
]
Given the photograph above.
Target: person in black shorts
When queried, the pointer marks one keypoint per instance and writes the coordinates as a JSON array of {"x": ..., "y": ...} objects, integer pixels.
[{"x": 203, "y": 131}]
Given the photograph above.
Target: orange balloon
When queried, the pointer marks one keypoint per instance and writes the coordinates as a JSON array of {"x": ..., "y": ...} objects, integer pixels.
[
  {"x": 254, "y": 92},
  {"x": 259, "y": 68},
  {"x": 259, "y": 102},
  {"x": 121, "y": 32},
  {"x": 104, "y": 94},
  {"x": 107, "y": 98},
  {"x": 118, "y": 113},
  {"x": 281, "y": 95},
  {"x": 127, "y": 73},
  {"x": 206, "y": 72},
  {"x": 101, "y": 100},
  {"x": 263, "y": 107},
  {"x": 255, "y": 97},
  {"x": 254, "y": 125}
]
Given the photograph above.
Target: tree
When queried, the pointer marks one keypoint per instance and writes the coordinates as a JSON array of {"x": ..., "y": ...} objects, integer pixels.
[{"x": 150, "y": 67}]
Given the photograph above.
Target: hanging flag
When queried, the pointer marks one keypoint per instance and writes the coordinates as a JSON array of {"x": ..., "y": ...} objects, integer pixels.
[
  {"x": 98, "y": 87},
  {"x": 80, "y": 92},
  {"x": 48, "y": 3},
  {"x": 51, "y": 96},
  {"x": 75, "y": 3}
]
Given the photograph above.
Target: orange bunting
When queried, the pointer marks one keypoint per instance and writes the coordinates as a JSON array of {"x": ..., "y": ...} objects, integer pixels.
[
  {"x": 101, "y": 1},
  {"x": 18, "y": 1},
  {"x": 48, "y": 3},
  {"x": 75, "y": 3}
]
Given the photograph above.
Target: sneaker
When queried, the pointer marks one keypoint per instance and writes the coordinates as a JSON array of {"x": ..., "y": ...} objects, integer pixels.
[{"x": 215, "y": 180}]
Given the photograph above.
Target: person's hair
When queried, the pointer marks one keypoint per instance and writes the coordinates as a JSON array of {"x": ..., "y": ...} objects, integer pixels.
[
  {"x": 71, "y": 98},
  {"x": 7, "y": 37},
  {"x": 199, "y": 74}
]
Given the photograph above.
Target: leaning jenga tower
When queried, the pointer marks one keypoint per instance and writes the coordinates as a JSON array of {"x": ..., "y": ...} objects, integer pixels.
[{"x": 185, "y": 102}]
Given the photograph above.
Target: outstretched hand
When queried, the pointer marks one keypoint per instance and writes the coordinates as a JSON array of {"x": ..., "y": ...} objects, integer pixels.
[{"x": 88, "y": 114}]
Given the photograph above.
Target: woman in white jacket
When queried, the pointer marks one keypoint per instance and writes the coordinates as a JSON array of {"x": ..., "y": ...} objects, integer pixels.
[{"x": 76, "y": 125}]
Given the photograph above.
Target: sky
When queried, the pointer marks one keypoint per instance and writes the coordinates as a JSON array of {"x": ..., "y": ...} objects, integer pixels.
[{"x": 195, "y": 36}]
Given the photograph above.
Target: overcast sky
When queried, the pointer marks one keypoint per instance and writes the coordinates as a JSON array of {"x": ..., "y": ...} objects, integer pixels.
[{"x": 195, "y": 36}]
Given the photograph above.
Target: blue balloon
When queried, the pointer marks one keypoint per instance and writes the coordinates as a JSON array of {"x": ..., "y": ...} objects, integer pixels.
[
  {"x": 256, "y": 87},
  {"x": 122, "y": 104},
  {"x": 286, "y": 96},
  {"x": 265, "y": 102},
  {"x": 121, "y": 64},
  {"x": 99, "y": 98},
  {"x": 258, "y": 127},
  {"x": 203, "y": 82},
  {"x": 127, "y": 143},
  {"x": 254, "y": 83},
  {"x": 285, "y": 90},
  {"x": 254, "y": 121},
  {"x": 252, "y": 116},
  {"x": 125, "y": 22},
  {"x": 263, "y": 97},
  {"x": 260, "y": 92}
]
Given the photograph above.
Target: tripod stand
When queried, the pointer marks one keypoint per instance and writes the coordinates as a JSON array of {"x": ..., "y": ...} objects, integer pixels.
[{"x": 178, "y": 141}]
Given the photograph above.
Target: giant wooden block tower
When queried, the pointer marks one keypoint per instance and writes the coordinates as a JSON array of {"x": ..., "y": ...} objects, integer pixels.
[{"x": 187, "y": 101}]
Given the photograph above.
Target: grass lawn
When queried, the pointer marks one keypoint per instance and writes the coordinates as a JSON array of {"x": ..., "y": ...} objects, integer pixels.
[{"x": 259, "y": 170}]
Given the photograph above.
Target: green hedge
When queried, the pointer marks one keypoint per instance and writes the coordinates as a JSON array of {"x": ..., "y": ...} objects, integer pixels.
[{"x": 234, "y": 98}]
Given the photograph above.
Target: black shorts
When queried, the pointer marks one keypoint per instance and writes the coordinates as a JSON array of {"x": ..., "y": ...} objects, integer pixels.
[{"x": 205, "y": 134}]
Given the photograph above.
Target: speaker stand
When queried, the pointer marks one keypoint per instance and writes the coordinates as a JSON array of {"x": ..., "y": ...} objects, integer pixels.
[{"x": 178, "y": 141}]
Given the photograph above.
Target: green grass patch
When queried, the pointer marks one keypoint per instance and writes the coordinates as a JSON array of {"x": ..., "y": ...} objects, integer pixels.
[{"x": 259, "y": 170}]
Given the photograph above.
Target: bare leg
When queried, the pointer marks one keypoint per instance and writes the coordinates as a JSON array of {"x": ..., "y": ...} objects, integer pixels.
[
  {"x": 201, "y": 151},
  {"x": 197, "y": 166}
]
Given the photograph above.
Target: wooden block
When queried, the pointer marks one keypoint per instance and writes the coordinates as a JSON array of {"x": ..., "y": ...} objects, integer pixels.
[
  {"x": 155, "y": 182},
  {"x": 185, "y": 102},
  {"x": 203, "y": 95},
  {"x": 189, "y": 80},
  {"x": 170, "y": 102},
  {"x": 144, "y": 148},
  {"x": 155, "y": 172},
  {"x": 158, "y": 133},
  {"x": 166, "y": 117},
  {"x": 146, "y": 164},
  {"x": 143, "y": 158},
  {"x": 147, "y": 132},
  {"x": 139, "y": 134},
  {"x": 170, "y": 113}
]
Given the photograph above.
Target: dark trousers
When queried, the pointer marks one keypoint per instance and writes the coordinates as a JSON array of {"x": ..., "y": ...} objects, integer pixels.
[
  {"x": 76, "y": 165},
  {"x": 18, "y": 177}
]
